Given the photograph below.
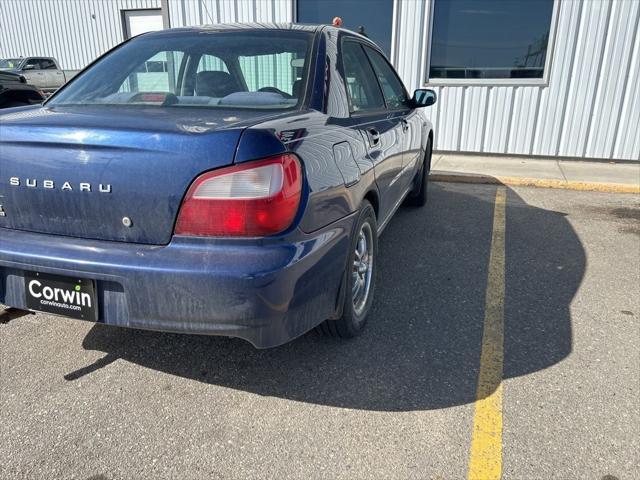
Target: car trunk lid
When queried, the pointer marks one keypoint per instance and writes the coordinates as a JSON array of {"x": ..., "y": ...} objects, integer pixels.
[{"x": 105, "y": 173}]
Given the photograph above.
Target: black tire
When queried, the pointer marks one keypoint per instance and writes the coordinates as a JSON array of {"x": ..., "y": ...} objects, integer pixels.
[
  {"x": 418, "y": 197},
  {"x": 354, "y": 317}
]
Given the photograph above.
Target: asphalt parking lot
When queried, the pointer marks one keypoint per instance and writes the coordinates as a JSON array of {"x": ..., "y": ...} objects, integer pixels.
[{"x": 83, "y": 401}]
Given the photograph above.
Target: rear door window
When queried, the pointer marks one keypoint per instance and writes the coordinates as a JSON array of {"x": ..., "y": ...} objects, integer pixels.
[
  {"x": 363, "y": 90},
  {"x": 394, "y": 92},
  {"x": 47, "y": 64}
]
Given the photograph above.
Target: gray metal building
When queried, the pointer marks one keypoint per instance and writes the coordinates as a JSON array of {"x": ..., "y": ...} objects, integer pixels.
[{"x": 575, "y": 93}]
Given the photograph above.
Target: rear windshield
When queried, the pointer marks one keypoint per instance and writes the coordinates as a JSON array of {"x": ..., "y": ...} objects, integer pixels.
[{"x": 205, "y": 69}]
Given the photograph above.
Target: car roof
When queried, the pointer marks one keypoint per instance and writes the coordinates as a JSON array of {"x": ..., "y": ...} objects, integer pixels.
[
  {"x": 254, "y": 27},
  {"x": 226, "y": 27}
]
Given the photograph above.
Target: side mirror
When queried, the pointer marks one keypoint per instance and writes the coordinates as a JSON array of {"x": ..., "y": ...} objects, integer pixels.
[
  {"x": 424, "y": 97},
  {"x": 28, "y": 67}
]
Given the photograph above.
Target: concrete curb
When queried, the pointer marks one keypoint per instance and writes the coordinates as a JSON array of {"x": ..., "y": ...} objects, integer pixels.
[{"x": 436, "y": 176}]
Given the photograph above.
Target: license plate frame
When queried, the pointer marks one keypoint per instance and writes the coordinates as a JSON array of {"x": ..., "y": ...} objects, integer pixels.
[{"x": 66, "y": 296}]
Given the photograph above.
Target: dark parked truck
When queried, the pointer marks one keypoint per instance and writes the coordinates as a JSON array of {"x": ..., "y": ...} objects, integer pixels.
[
  {"x": 41, "y": 72},
  {"x": 225, "y": 180},
  {"x": 16, "y": 92}
]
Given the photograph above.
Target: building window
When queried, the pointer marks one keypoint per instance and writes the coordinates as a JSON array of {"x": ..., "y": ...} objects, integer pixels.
[
  {"x": 374, "y": 16},
  {"x": 135, "y": 22},
  {"x": 490, "y": 39}
]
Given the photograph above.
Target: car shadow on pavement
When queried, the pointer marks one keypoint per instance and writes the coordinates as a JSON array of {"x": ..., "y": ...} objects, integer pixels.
[
  {"x": 9, "y": 314},
  {"x": 421, "y": 349}
]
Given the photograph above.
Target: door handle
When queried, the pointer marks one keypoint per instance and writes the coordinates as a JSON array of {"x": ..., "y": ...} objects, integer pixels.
[
  {"x": 374, "y": 136},
  {"x": 405, "y": 125}
]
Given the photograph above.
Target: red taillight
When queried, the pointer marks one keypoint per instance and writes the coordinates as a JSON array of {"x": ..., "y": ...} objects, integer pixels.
[{"x": 247, "y": 200}]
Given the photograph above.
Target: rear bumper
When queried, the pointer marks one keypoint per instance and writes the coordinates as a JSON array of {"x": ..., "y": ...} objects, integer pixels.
[{"x": 266, "y": 292}]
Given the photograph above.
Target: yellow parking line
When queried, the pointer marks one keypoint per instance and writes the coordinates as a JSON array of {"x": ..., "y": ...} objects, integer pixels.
[{"x": 485, "y": 462}]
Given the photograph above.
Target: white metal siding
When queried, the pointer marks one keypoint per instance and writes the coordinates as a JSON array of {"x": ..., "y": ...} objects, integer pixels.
[
  {"x": 628, "y": 131},
  {"x": 614, "y": 75},
  {"x": 498, "y": 120},
  {"x": 589, "y": 108},
  {"x": 74, "y": 32},
  {"x": 198, "y": 12},
  {"x": 551, "y": 112},
  {"x": 585, "y": 76},
  {"x": 473, "y": 119}
]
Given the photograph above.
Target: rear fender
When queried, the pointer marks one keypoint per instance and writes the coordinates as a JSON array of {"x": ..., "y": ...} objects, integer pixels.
[{"x": 258, "y": 143}]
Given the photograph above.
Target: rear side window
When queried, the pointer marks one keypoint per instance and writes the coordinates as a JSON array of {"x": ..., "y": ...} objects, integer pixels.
[
  {"x": 155, "y": 74},
  {"x": 47, "y": 64},
  {"x": 209, "y": 63},
  {"x": 364, "y": 92},
  {"x": 280, "y": 72},
  {"x": 392, "y": 87}
]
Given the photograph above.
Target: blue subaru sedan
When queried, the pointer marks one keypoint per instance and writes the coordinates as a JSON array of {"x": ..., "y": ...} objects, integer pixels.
[{"x": 227, "y": 180}]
